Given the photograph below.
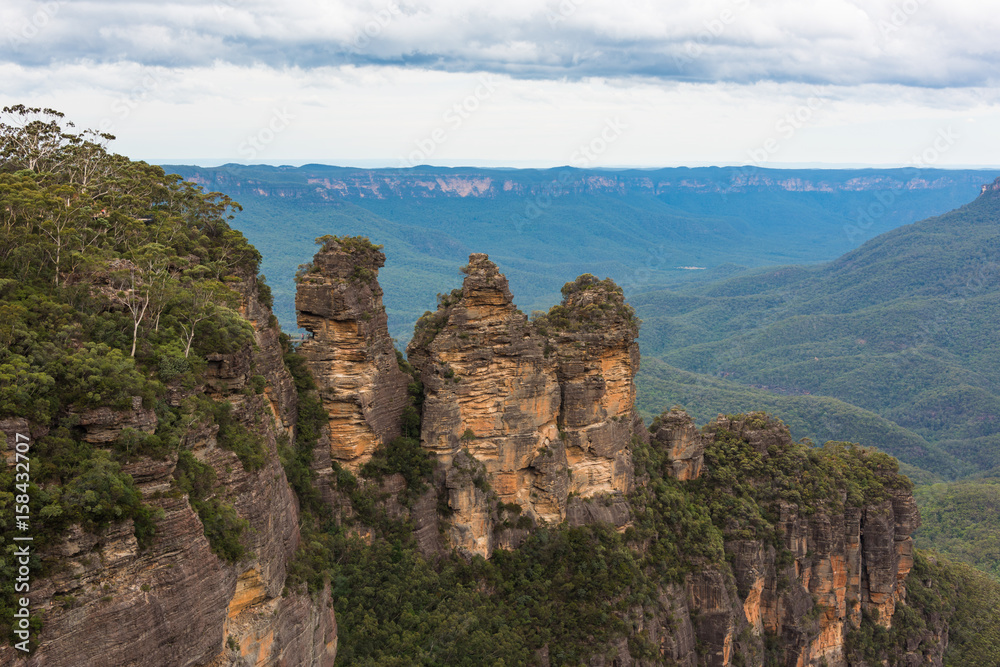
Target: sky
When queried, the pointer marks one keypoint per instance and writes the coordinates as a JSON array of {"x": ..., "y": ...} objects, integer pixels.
[{"x": 519, "y": 83}]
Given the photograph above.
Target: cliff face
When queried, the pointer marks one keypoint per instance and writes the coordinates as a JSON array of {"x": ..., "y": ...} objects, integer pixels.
[
  {"x": 333, "y": 183},
  {"x": 592, "y": 335},
  {"x": 491, "y": 402},
  {"x": 350, "y": 354},
  {"x": 676, "y": 432},
  {"x": 835, "y": 558},
  {"x": 109, "y": 602},
  {"x": 536, "y": 414},
  {"x": 530, "y": 423}
]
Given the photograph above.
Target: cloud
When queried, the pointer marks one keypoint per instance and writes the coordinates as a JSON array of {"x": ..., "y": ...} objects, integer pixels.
[
  {"x": 908, "y": 42},
  {"x": 391, "y": 116}
]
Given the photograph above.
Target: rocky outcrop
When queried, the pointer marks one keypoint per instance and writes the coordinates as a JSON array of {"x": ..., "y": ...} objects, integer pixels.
[
  {"x": 676, "y": 433},
  {"x": 290, "y": 630},
  {"x": 350, "y": 353},
  {"x": 790, "y": 596},
  {"x": 491, "y": 402},
  {"x": 108, "y": 601},
  {"x": 835, "y": 560},
  {"x": 103, "y": 425},
  {"x": 531, "y": 422},
  {"x": 526, "y": 413},
  {"x": 593, "y": 336}
]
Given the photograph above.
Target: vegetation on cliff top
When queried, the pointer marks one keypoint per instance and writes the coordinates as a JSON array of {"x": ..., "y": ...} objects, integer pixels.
[
  {"x": 430, "y": 324},
  {"x": 116, "y": 282},
  {"x": 364, "y": 252},
  {"x": 588, "y": 305}
]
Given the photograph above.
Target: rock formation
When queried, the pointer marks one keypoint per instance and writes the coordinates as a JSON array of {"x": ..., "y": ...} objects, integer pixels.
[
  {"x": 840, "y": 560},
  {"x": 491, "y": 401},
  {"x": 676, "y": 432},
  {"x": 592, "y": 335},
  {"x": 350, "y": 354},
  {"x": 530, "y": 422},
  {"x": 532, "y": 412}
]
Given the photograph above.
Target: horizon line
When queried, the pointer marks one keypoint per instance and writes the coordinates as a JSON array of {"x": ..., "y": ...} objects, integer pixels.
[{"x": 213, "y": 163}]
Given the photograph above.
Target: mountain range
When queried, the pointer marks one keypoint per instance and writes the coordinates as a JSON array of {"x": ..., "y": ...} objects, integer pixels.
[{"x": 642, "y": 228}]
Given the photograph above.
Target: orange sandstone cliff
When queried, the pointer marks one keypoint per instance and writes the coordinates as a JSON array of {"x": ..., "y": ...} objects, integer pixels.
[
  {"x": 530, "y": 423},
  {"x": 350, "y": 353},
  {"x": 524, "y": 412},
  {"x": 541, "y": 414}
]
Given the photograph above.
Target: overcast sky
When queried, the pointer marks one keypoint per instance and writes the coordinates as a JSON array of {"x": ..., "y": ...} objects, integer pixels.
[{"x": 517, "y": 82}]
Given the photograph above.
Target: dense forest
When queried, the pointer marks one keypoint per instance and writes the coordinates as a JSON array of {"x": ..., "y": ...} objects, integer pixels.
[
  {"x": 900, "y": 327},
  {"x": 891, "y": 344}
]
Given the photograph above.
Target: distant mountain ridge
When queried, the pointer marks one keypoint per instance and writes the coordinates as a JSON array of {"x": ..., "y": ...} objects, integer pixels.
[
  {"x": 643, "y": 228},
  {"x": 330, "y": 182},
  {"x": 903, "y": 326}
]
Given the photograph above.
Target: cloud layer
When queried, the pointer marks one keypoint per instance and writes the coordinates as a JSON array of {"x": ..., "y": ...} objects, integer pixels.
[{"x": 908, "y": 42}]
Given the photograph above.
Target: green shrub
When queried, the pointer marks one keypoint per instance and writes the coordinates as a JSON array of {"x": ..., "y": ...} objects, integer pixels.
[
  {"x": 248, "y": 446},
  {"x": 404, "y": 456},
  {"x": 222, "y": 525}
]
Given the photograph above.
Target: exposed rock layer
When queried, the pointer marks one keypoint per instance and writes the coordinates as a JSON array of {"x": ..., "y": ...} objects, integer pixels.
[
  {"x": 676, "y": 432},
  {"x": 108, "y": 603},
  {"x": 350, "y": 354},
  {"x": 526, "y": 413},
  {"x": 844, "y": 561}
]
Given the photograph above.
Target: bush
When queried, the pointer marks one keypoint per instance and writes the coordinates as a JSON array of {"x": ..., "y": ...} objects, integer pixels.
[
  {"x": 248, "y": 446},
  {"x": 222, "y": 525},
  {"x": 404, "y": 456}
]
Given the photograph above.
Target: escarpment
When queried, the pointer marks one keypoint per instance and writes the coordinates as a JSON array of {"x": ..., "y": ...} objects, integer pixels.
[
  {"x": 837, "y": 551},
  {"x": 350, "y": 353},
  {"x": 720, "y": 546},
  {"x": 198, "y": 497},
  {"x": 207, "y": 587},
  {"x": 685, "y": 446},
  {"x": 539, "y": 414},
  {"x": 592, "y": 335}
]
